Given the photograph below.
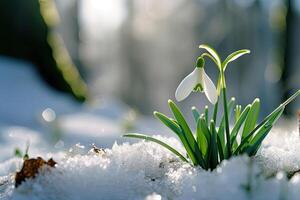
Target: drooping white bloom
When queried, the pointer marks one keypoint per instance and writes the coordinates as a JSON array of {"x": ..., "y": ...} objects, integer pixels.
[{"x": 197, "y": 80}]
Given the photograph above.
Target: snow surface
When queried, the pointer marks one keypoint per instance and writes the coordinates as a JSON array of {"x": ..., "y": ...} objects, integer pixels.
[
  {"x": 24, "y": 95},
  {"x": 25, "y": 101},
  {"x": 144, "y": 170}
]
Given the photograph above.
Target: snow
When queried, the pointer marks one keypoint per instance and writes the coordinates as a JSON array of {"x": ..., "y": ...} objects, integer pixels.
[
  {"x": 24, "y": 95},
  {"x": 281, "y": 151},
  {"x": 144, "y": 170},
  {"x": 27, "y": 103}
]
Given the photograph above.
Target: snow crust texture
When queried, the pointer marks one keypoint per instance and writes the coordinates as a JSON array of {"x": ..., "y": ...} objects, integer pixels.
[{"x": 144, "y": 170}]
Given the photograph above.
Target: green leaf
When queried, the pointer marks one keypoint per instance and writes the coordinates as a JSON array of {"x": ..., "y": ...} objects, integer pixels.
[
  {"x": 221, "y": 135},
  {"x": 18, "y": 153},
  {"x": 215, "y": 112},
  {"x": 213, "y": 146},
  {"x": 289, "y": 100},
  {"x": 186, "y": 129},
  {"x": 226, "y": 117},
  {"x": 152, "y": 139},
  {"x": 230, "y": 106},
  {"x": 213, "y": 53},
  {"x": 237, "y": 112},
  {"x": 209, "y": 56},
  {"x": 256, "y": 142},
  {"x": 233, "y": 56},
  {"x": 273, "y": 119},
  {"x": 270, "y": 120},
  {"x": 219, "y": 85},
  {"x": 251, "y": 118},
  {"x": 177, "y": 129},
  {"x": 26, "y": 155},
  {"x": 221, "y": 147},
  {"x": 183, "y": 124},
  {"x": 206, "y": 113},
  {"x": 221, "y": 129},
  {"x": 168, "y": 122},
  {"x": 203, "y": 137},
  {"x": 239, "y": 123},
  {"x": 196, "y": 114}
]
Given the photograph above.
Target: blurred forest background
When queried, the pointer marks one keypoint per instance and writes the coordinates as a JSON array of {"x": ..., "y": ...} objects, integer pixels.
[{"x": 139, "y": 50}]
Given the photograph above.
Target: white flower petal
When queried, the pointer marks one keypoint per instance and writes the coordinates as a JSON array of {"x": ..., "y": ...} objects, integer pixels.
[
  {"x": 209, "y": 88},
  {"x": 186, "y": 86}
]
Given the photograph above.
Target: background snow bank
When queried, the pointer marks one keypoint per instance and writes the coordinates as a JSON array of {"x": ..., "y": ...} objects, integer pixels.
[
  {"x": 280, "y": 151},
  {"x": 146, "y": 171}
]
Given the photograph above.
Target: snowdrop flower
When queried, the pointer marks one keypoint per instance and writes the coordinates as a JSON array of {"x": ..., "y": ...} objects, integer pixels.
[{"x": 198, "y": 80}]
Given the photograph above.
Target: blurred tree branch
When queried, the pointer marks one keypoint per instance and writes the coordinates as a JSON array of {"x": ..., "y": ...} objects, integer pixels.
[{"x": 27, "y": 32}]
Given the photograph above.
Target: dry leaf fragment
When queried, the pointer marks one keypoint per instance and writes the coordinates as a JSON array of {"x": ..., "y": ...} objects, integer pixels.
[{"x": 31, "y": 168}]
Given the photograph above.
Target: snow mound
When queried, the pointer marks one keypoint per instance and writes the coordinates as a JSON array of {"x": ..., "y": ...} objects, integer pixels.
[
  {"x": 144, "y": 170},
  {"x": 126, "y": 171},
  {"x": 280, "y": 151}
]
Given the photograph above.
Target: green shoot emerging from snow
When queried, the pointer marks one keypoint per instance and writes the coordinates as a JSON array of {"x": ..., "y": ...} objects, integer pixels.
[
  {"x": 19, "y": 153},
  {"x": 214, "y": 142}
]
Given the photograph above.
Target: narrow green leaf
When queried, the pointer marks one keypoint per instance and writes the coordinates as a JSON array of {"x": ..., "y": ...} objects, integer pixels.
[
  {"x": 152, "y": 139},
  {"x": 206, "y": 113},
  {"x": 219, "y": 86},
  {"x": 273, "y": 119},
  {"x": 201, "y": 138},
  {"x": 251, "y": 118},
  {"x": 221, "y": 129},
  {"x": 237, "y": 112},
  {"x": 213, "y": 53},
  {"x": 226, "y": 117},
  {"x": 256, "y": 142},
  {"x": 289, "y": 100},
  {"x": 215, "y": 111},
  {"x": 269, "y": 121},
  {"x": 274, "y": 116},
  {"x": 181, "y": 121},
  {"x": 207, "y": 137},
  {"x": 209, "y": 56},
  {"x": 179, "y": 132},
  {"x": 18, "y": 153},
  {"x": 230, "y": 106},
  {"x": 168, "y": 122},
  {"x": 185, "y": 129},
  {"x": 196, "y": 114},
  {"x": 205, "y": 129},
  {"x": 233, "y": 56},
  {"x": 220, "y": 148},
  {"x": 213, "y": 146},
  {"x": 239, "y": 123},
  {"x": 221, "y": 135}
]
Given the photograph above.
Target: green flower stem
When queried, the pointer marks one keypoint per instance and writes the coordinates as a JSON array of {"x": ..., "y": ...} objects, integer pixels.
[
  {"x": 222, "y": 77},
  {"x": 215, "y": 111},
  {"x": 223, "y": 86},
  {"x": 226, "y": 122}
]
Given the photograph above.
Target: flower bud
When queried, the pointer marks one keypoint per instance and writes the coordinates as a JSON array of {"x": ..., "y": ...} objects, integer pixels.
[{"x": 200, "y": 62}]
